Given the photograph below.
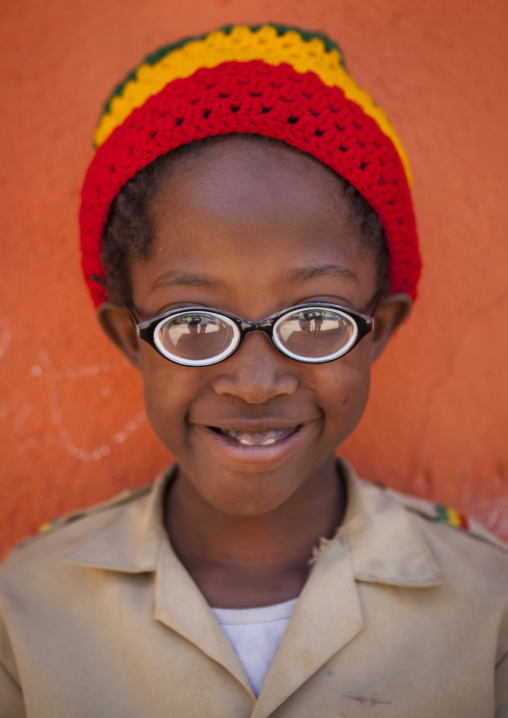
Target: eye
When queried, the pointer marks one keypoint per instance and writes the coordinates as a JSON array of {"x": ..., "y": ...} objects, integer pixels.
[
  {"x": 196, "y": 336},
  {"x": 315, "y": 333}
]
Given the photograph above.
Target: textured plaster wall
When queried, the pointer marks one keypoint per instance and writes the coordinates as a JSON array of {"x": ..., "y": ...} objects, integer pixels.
[{"x": 72, "y": 427}]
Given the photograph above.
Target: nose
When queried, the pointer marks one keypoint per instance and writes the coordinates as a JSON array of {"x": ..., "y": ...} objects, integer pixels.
[{"x": 256, "y": 372}]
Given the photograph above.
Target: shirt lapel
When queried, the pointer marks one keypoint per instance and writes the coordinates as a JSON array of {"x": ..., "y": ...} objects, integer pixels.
[
  {"x": 135, "y": 540},
  {"x": 378, "y": 542},
  {"x": 181, "y": 606},
  {"x": 326, "y": 618}
]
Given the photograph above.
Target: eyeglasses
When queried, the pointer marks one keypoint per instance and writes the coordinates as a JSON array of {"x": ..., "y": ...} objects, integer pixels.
[{"x": 310, "y": 333}]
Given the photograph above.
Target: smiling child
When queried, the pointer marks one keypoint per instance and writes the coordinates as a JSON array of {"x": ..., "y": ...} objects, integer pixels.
[{"x": 249, "y": 241}]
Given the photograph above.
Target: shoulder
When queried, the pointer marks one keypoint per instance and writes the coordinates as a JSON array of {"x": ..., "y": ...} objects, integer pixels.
[
  {"x": 125, "y": 497},
  {"x": 40, "y": 552},
  {"x": 461, "y": 546},
  {"x": 122, "y": 534},
  {"x": 449, "y": 519}
]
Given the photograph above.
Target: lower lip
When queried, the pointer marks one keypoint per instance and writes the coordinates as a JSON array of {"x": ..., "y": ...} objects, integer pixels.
[{"x": 229, "y": 449}]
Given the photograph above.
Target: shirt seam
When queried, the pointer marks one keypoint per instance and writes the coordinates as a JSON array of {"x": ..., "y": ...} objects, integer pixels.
[
  {"x": 502, "y": 660},
  {"x": 9, "y": 674}
]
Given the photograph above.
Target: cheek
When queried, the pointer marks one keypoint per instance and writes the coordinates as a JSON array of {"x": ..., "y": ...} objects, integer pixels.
[
  {"x": 168, "y": 391},
  {"x": 344, "y": 397}
]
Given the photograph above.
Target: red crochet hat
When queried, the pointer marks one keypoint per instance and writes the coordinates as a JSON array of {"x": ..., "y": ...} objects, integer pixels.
[{"x": 269, "y": 80}]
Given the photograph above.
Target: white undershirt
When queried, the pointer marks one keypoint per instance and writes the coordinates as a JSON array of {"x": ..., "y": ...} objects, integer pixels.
[{"x": 255, "y": 634}]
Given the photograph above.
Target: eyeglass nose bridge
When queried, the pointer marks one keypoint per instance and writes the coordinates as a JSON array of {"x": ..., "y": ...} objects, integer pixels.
[{"x": 266, "y": 327}]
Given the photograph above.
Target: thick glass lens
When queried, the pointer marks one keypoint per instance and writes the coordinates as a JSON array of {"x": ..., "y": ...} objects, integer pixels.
[
  {"x": 196, "y": 337},
  {"x": 315, "y": 334}
]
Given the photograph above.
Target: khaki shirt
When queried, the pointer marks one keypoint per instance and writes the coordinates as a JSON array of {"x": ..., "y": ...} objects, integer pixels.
[{"x": 401, "y": 615}]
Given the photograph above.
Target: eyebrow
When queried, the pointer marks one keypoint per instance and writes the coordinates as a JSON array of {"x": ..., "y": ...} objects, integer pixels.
[
  {"x": 175, "y": 277},
  {"x": 303, "y": 274}
]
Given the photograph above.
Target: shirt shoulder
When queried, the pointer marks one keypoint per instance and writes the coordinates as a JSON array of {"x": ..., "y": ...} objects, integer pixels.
[
  {"x": 54, "y": 539},
  {"x": 468, "y": 557},
  {"x": 124, "y": 497},
  {"x": 439, "y": 515},
  {"x": 101, "y": 511},
  {"x": 122, "y": 534}
]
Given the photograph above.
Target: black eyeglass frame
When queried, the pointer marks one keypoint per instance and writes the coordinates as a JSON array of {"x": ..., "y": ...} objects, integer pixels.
[{"x": 363, "y": 322}]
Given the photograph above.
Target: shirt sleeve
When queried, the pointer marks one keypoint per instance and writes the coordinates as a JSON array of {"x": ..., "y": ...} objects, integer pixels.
[
  {"x": 502, "y": 688},
  {"x": 12, "y": 703},
  {"x": 11, "y": 696}
]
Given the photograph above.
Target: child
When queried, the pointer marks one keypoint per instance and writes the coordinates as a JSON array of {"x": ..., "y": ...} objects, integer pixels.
[{"x": 249, "y": 240}]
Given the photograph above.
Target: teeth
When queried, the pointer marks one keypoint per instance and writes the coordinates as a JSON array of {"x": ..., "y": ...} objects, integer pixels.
[{"x": 262, "y": 438}]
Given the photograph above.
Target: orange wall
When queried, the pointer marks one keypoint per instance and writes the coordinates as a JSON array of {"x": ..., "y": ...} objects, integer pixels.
[{"x": 72, "y": 428}]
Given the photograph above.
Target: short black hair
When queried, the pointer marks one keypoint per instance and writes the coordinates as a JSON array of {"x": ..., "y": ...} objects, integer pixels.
[{"x": 129, "y": 231}]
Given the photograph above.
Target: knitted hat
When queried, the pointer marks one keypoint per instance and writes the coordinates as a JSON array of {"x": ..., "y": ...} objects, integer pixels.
[{"x": 269, "y": 80}]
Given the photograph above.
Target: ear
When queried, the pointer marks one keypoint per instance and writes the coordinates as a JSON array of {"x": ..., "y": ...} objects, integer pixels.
[
  {"x": 119, "y": 327},
  {"x": 392, "y": 311}
]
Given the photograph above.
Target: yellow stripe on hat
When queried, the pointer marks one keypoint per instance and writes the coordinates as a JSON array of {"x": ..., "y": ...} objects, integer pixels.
[{"x": 242, "y": 44}]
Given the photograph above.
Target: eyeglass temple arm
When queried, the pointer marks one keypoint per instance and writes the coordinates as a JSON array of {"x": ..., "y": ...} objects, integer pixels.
[
  {"x": 130, "y": 307},
  {"x": 372, "y": 306}
]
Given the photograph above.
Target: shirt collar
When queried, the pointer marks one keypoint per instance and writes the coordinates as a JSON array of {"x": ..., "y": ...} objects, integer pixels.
[
  {"x": 130, "y": 541},
  {"x": 385, "y": 542}
]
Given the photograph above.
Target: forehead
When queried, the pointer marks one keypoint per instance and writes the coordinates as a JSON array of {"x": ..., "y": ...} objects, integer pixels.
[
  {"x": 246, "y": 212},
  {"x": 237, "y": 176}
]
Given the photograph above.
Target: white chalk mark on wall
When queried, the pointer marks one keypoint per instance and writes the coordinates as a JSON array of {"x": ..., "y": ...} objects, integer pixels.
[
  {"x": 15, "y": 412},
  {"x": 53, "y": 378},
  {"x": 492, "y": 514},
  {"x": 5, "y": 336},
  {"x": 8, "y": 409}
]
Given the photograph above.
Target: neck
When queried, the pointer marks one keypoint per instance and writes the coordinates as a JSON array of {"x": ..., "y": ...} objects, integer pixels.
[{"x": 247, "y": 561}]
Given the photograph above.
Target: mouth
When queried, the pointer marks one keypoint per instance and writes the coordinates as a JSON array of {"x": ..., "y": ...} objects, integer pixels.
[
  {"x": 257, "y": 438},
  {"x": 254, "y": 446}
]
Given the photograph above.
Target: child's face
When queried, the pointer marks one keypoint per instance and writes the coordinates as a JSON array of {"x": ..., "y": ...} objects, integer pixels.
[{"x": 252, "y": 230}]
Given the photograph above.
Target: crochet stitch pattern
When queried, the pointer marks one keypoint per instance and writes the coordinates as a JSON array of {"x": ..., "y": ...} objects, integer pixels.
[
  {"x": 269, "y": 81},
  {"x": 239, "y": 43}
]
